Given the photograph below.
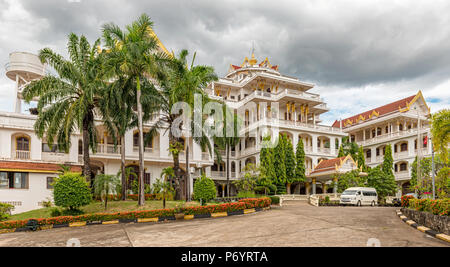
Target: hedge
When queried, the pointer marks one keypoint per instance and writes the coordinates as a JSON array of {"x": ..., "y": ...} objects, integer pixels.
[
  {"x": 437, "y": 207},
  {"x": 95, "y": 217},
  {"x": 405, "y": 200}
]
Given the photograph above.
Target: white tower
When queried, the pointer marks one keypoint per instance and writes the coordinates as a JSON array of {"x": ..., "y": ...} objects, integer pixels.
[{"x": 23, "y": 68}]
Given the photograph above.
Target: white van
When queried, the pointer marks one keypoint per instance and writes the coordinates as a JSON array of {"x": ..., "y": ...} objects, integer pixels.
[{"x": 359, "y": 196}]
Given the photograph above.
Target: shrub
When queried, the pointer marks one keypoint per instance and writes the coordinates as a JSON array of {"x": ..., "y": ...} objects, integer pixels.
[
  {"x": 55, "y": 212},
  {"x": 246, "y": 194},
  {"x": 405, "y": 200},
  {"x": 204, "y": 190},
  {"x": 437, "y": 207},
  {"x": 47, "y": 203},
  {"x": 71, "y": 191},
  {"x": 227, "y": 207},
  {"x": 5, "y": 211},
  {"x": 275, "y": 199}
]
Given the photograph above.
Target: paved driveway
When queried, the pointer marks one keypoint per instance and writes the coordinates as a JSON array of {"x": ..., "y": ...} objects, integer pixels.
[{"x": 295, "y": 224}]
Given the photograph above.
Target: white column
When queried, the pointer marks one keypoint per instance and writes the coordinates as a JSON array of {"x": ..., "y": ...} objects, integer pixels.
[{"x": 314, "y": 143}]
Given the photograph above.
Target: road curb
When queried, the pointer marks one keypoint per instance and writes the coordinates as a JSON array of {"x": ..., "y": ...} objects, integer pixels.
[
  {"x": 138, "y": 220},
  {"x": 423, "y": 229}
]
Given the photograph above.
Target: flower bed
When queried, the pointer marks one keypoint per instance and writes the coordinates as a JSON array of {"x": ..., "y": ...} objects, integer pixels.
[
  {"x": 405, "y": 200},
  {"x": 133, "y": 215},
  {"x": 243, "y": 204},
  {"x": 438, "y": 207}
]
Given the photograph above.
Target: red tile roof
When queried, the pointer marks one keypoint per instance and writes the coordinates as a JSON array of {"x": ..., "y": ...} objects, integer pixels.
[
  {"x": 34, "y": 167},
  {"x": 391, "y": 107},
  {"x": 327, "y": 165}
]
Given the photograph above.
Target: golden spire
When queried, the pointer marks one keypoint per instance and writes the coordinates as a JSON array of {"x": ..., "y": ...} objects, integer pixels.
[{"x": 253, "y": 61}]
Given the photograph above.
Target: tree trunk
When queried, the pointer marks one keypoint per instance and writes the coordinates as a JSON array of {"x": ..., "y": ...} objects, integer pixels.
[
  {"x": 288, "y": 189},
  {"x": 228, "y": 170},
  {"x": 86, "y": 156},
  {"x": 177, "y": 171},
  {"x": 141, "y": 199},
  {"x": 122, "y": 167},
  {"x": 188, "y": 173},
  {"x": 106, "y": 201}
]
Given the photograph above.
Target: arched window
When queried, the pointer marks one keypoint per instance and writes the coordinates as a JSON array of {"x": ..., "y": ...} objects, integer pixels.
[{"x": 23, "y": 143}]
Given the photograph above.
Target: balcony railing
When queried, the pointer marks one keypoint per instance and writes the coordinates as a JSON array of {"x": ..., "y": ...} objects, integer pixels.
[
  {"x": 205, "y": 156},
  {"x": 324, "y": 150},
  {"x": 22, "y": 154},
  {"x": 108, "y": 149},
  {"x": 402, "y": 175},
  {"x": 401, "y": 154}
]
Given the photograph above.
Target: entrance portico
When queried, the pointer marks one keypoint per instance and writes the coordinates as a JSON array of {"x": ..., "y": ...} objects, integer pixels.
[{"x": 327, "y": 171}]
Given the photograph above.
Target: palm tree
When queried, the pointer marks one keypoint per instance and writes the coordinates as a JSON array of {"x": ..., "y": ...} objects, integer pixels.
[
  {"x": 67, "y": 100},
  {"x": 105, "y": 185},
  {"x": 167, "y": 175},
  {"x": 180, "y": 83},
  {"x": 136, "y": 52},
  {"x": 117, "y": 107},
  {"x": 226, "y": 142}
]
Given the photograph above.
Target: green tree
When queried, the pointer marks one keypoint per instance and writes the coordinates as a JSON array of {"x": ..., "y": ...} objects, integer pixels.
[
  {"x": 165, "y": 186},
  {"x": 249, "y": 181},
  {"x": 440, "y": 131},
  {"x": 341, "y": 152},
  {"x": 105, "y": 185},
  {"x": 361, "y": 160},
  {"x": 383, "y": 183},
  {"x": 280, "y": 163},
  {"x": 290, "y": 164},
  {"x": 67, "y": 100},
  {"x": 136, "y": 52},
  {"x": 228, "y": 141},
  {"x": 349, "y": 148},
  {"x": 300, "y": 162},
  {"x": 350, "y": 179},
  {"x": 267, "y": 176},
  {"x": 71, "y": 191},
  {"x": 182, "y": 82},
  {"x": 204, "y": 190}
]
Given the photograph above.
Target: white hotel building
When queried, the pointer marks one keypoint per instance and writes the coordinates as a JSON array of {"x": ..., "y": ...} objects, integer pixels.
[{"x": 28, "y": 165}]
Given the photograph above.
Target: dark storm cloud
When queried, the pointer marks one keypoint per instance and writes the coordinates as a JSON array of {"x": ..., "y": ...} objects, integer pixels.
[
  {"x": 326, "y": 42},
  {"x": 347, "y": 48}
]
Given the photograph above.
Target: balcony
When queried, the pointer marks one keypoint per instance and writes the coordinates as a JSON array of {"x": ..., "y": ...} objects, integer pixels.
[
  {"x": 222, "y": 175},
  {"x": 402, "y": 154},
  {"x": 323, "y": 150},
  {"x": 21, "y": 154},
  {"x": 388, "y": 136},
  {"x": 108, "y": 149},
  {"x": 290, "y": 123},
  {"x": 402, "y": 175}
]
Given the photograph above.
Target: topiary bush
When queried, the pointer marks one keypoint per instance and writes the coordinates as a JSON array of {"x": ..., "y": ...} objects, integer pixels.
[
  {"x": 204, "y": 190},
  {"x": 275, "y": 199},
  {"x": 5, "y": 211},
  {"x": 71, "y": 191}
]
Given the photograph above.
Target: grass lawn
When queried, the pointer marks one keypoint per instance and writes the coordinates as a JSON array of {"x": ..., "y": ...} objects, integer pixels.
[{"x": 113, "y": 206}]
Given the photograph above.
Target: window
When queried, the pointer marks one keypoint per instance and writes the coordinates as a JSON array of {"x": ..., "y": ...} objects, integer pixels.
[
  {"x": 400, "y": 127},
  {"x": 395, "y": 167},
  {"x": 54, "y": 149},
  {"x": 404, "y": 147},
  {"x": 378, "y": 151},
  {"x": 50, "y": 182},
  {"x": 13, "y": 180},
  {"x": 368, "y": 153},
  {"x": 387, "y": 129},
  {"x": 4, "y": 181},
  {"x": 403, "y": 167},
  {"x": 395, "y": 148},
  {"x": 23, "y": 144},
  {"x": 378, "y": 131},
  {"x": 80, "y": 147},
  {"x": 136, "y": 140}
]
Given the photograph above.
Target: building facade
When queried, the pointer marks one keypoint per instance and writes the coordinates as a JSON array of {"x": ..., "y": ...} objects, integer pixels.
[
  {"x": 404, "y": 124},
  {"x": 267, "y": 101}
]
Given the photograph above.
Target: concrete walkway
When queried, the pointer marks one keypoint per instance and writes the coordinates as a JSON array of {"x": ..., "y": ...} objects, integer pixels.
[{"x": 295, "y": 224}]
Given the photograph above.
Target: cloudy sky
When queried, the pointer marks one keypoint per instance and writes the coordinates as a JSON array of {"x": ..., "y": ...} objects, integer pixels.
[{"x": 360, "y": 54}]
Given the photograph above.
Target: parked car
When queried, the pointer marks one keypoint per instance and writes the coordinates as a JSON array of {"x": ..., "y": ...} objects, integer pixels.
[
  {"x": 397, "y": 202},
  {"x": 359, "y": 196}
]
